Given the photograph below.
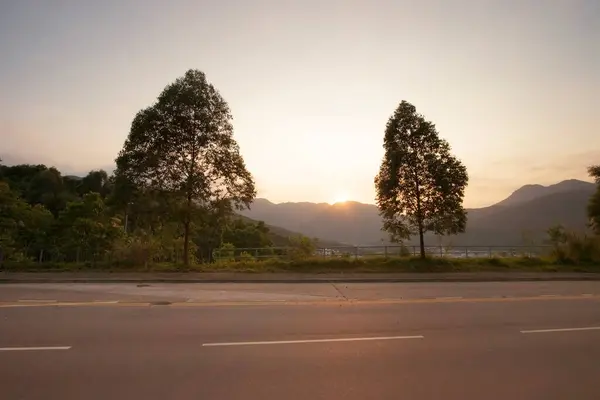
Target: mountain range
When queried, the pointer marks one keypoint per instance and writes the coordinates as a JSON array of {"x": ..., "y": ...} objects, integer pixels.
[{"x": 522, "y": 218}]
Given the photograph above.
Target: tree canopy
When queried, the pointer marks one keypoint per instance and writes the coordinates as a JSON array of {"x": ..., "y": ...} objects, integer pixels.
[
  {"x": 594, "y": 203},
  {"x": 89, "y": 226},
  {"x": 182, "y": 149},
  {"x": 420, "y": 185}
]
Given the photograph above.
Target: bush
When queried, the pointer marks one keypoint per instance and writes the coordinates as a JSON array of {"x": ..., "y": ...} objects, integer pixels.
[
  {"x": 302, "y": 247},
  {"x": 573, "y": 248},
  {"x": 225, "y": 253},
  {"x": 245, "y": 256}
]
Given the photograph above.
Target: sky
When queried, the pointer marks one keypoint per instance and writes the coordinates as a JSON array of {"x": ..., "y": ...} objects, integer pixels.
[{"x": 512, "y": 85}]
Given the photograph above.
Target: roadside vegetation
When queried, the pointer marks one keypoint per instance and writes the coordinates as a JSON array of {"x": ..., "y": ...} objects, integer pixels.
[
  {"x": 325, "y": 265},
  {"x": 172, "y": 203}
]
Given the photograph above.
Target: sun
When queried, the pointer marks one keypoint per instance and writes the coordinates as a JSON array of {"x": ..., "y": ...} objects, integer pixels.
[{"x": 341, "y": 198}]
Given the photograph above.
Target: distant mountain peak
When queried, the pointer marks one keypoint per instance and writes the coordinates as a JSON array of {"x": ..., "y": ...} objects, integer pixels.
[{"x": 531, "y": 192}]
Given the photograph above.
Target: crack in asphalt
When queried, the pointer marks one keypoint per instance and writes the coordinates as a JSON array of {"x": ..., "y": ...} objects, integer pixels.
[{"x": 338, "y": 290}]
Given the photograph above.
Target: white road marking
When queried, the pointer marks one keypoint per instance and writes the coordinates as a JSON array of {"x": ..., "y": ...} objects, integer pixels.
[
  {"x": 312, "y": 341},
  {"x": 106, "y": 301},
  {"x": 589, "y": 328},
  {"x": 548, "y": 295},
  {"x": 34, "y": 348},
  {"x": 449, "y": 298},
  {"x": 37, "y": 301},
  {"x": 587, "y": 295}
]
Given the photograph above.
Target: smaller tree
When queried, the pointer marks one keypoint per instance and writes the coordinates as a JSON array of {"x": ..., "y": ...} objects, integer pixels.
[
  {"x": 301, "y": 247},
  {"x": 593, "y": 208},
  {"x": 420, "y": 185},
  {"x": 85, "y": 226},
  {"x": 95, "y": 181},
  {"x": 247, "y": 235},
  {"x": 23, "y": 228}
]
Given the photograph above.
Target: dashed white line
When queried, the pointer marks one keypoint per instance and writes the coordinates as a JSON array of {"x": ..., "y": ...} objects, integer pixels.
[
  {"x": 588, "y": 328},
  {"x": 359, "y": 339},
  {"x": 34, "y": 348}
]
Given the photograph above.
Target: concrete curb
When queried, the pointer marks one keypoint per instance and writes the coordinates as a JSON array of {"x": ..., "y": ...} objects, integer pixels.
[{"x": 68, "y": 277}]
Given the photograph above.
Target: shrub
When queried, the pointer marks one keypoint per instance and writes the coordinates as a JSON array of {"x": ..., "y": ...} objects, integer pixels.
[
  {"x": 225, "y": 253},
  {"x": 571, "y": 247},
  {"x": 245, "y": 256}
]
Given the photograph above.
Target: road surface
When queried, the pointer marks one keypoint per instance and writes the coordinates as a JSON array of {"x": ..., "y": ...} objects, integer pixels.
[{"x": 358, "y": 341}]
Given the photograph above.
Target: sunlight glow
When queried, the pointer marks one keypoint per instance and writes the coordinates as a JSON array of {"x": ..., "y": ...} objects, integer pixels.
[{"x": 342, "y": 198}]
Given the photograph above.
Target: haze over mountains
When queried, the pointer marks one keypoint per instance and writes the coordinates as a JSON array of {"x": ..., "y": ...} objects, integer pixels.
[{"x": 522, "y": 218}]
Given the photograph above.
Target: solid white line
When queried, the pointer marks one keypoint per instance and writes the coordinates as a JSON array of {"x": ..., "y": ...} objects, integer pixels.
[
  {"x": 36, "y": 301},
  {"x": 548, "y": 295},
  {"x": 34, "y": 348},
  {"x": 590, "y": 328},
  {"x": 312, "y": 341},
  {"x": 106, "y": 301},
  {"x": 449, "y": 298}
]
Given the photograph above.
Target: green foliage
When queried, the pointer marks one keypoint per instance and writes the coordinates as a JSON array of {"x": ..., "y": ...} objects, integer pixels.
[
  {"x": 301, "y": 247},
  {"x": 182, "y": 147},
  {"x": 23, "y": 227},
  {"x": 247, "y": 235},
  {"x": 572, "y": 247},
  {"x": 332, "y": 265},
  {"x": 95, "y": 182},
  {"x": 225, "y": 253},
  {"x": 89, "y": 226},
  {"x": 420, "y": 185},
  {"x": 593, "y": 209},
  {"x": 85, "y": 227}
]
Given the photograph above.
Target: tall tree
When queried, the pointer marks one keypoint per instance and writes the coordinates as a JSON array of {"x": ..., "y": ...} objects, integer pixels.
[
  {"x": 95, "y": 181},
  {"x": 593, "y": 208},
  {"x": 47, "y": 188},
  {"x": 183, "y": 147},
  {"x": 23, "y": 228},
  {"x": 420, "y": 185}
]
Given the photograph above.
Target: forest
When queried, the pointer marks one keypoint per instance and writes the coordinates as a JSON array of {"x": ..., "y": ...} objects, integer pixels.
[{"x": 45, "y": 216}]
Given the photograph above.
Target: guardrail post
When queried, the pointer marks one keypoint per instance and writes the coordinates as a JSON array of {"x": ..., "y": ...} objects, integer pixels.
[
  {"x": 490, "y": 252},
  {"x": 441, "y": 251},
  {"x": 385, "y": 252},
  {"x": 466, "y": 252},
  {"x": 355, "y": 252}
]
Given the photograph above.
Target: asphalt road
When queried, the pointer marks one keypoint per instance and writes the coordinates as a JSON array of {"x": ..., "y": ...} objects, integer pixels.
[
  {"x": 494, "y": 342},
  {"x": 210, "y": 292}
]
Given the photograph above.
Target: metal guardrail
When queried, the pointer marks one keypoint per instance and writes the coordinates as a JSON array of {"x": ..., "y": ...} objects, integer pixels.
[
  {"x": 385, "y": 251},
  {"x": 289, "y": 253}
]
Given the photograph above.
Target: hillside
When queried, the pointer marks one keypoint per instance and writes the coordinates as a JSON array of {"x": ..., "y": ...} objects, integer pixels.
[
  {"x": 522, "y": 217},
  {"x": 350, "y": 222},
  {"x": 531, "y": 192},
  {"x": 281, "y": 236}
]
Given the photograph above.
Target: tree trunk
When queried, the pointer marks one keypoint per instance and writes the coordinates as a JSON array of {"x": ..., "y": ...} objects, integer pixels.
[
  {"x": 186, "y": 232},
  {"x": 420, "y": 220},
  {"x": 421, "y": 241},
  {"x": 186, "y": 240}
]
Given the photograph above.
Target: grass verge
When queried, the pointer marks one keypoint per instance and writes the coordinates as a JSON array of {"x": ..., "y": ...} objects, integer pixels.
[{"x": 321, "y": 265}]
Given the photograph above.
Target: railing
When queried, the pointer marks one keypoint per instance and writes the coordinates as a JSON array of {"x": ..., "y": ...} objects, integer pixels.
[
  {"x": 290, "y": 253},
  {"x": 357, "y": 252}
]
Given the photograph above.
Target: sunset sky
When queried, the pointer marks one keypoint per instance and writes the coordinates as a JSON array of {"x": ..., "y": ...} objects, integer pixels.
[{"x": 514, "y": 86}]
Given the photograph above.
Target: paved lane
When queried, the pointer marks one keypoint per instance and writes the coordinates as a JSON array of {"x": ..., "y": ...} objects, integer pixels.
[
  {"x": 467, "y": 350},
  {"x": 212, "y": 292}
]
